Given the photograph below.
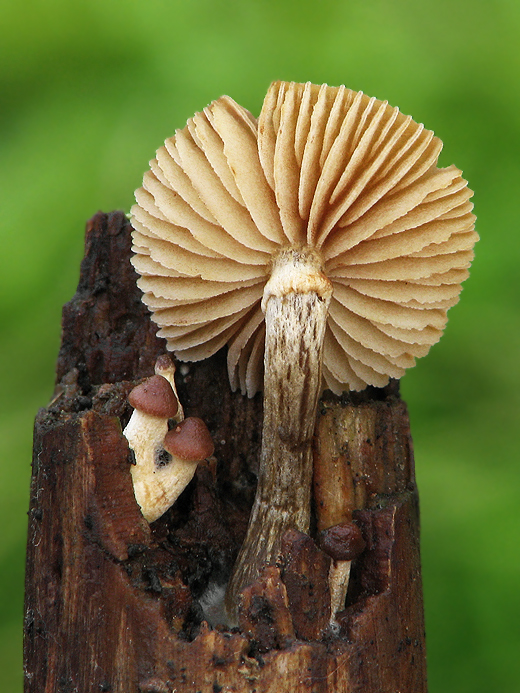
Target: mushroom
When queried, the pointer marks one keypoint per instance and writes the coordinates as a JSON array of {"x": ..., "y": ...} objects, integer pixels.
[
  {"x": 187, "y": 444},
  {"x": 343, "y": 543},
  {"x": 321, "y": 243},
  {"x": 190, "y": 440},
  {"x": 165, "y": 460},
  {"x": 154, "y": 403},
  {"x": 164, "y": 366},
  {"x": 336, "y": 497}
]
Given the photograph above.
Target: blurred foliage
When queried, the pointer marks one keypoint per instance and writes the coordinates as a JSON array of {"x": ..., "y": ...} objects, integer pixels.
[{"x": 90, "y": 89}]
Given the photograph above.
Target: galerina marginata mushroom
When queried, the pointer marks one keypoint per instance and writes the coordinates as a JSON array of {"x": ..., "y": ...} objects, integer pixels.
[
  {"x": 343, "y": 543},
  {"x": 321, "y": 243}
]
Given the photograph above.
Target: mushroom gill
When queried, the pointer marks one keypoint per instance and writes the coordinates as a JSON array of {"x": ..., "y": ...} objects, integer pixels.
[{"x": 323, "y": 168}]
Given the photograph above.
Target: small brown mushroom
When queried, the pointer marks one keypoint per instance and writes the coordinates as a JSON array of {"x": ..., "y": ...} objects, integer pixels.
[
  {"x": 321, "y": 243},
  {"x": 158, "y": 484},
  {"x": 190, "y": 440},
  {"x": 165, "y": 367},
  {"x": 165, "y": 461},
  {"x": 154, "y": 402},
  {"x": 343, "y": 543},
  {"x": 155, "y": 397}
]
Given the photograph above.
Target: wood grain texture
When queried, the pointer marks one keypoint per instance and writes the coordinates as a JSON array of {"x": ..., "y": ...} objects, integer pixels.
[{"x": 114, "y": 604}]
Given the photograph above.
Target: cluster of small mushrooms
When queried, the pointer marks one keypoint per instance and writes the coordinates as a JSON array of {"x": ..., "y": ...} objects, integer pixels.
[
  {"x": 165, "y": 459},
  {"x": 321, "y": 243}
]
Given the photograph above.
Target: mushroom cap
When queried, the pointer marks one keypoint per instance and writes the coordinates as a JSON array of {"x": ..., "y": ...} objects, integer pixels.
[
  {"x": 324, "y": 168},
  {"x": 190, "y": 440},
  {"x": 164, "y": 363},
  {"x": 342, "y": 542},
  {"x": 155, "y": 397}
]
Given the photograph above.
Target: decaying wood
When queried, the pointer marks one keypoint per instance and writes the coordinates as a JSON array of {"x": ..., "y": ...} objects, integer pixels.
[{"x": 114, "y": 604}]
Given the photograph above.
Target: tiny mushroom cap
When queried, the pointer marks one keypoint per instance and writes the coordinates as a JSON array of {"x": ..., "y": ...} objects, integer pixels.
[
  {"x": 155, "y": 397},
  {"x": 164, "y": 364},
  {"x": 190, "y": 440},
  {"x": 343, "y": 542}
]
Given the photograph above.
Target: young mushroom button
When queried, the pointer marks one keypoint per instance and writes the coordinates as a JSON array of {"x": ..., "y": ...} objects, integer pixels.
[
  {"x": 190, "y": 440},
  {"x": 154, "y": 403},
  {"x": 343, "y": 543},
  {"x": 322, "y": 243},
  {"x": 154, "y": 397},
  {"x": 164, "y": 366}
]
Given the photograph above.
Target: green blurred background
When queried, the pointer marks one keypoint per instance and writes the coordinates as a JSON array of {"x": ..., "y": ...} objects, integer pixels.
[{"x": 90, "y": 89}]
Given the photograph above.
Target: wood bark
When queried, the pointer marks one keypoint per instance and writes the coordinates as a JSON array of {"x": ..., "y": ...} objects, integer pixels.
[{"x": 114, "y": 604}]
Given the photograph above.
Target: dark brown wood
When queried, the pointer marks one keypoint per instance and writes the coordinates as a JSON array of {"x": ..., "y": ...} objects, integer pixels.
[
  {"x": 305, "y": 574},
  {"x": 264, "y": 615},
  {"x": 114, "y": 604}
]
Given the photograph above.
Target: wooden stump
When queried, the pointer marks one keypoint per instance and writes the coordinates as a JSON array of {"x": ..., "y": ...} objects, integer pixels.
[{"x": 114, "y": 604}]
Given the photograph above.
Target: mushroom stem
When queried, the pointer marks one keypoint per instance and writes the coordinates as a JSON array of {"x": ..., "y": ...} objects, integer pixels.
[
  {"x": 339, "y": 576},
  {"x": 295, "y": 304},
  {"x": 145, "y": 435},
  {"x": 159, "y": 476},
  {"x": 164, "y": 366}
]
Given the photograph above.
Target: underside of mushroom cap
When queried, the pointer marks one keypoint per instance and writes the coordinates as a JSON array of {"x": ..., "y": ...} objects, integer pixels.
[{"x": 324, "y": 168}]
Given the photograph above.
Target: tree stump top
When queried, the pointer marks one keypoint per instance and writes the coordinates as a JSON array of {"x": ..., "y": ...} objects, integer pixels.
[{"x": 116, "y": 604}]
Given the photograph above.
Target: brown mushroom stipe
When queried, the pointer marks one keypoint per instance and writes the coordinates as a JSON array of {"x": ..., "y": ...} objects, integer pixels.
[
  {"x": 190, "y": 440},
  {"x": 346, "y": 190}
]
